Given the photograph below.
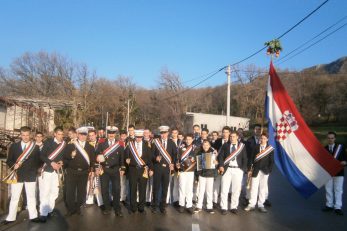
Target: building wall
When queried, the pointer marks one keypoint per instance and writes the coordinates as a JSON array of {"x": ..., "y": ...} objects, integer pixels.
[
  {"x": 14, "y": 117},
  {"x": 214, "y": 122}
]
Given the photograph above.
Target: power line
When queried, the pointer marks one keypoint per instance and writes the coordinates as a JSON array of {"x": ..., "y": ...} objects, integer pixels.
[
  {"x": 331, "y": 33},
  {"x": 302, "y": 45},
  {"x": 250, "y": 56}
]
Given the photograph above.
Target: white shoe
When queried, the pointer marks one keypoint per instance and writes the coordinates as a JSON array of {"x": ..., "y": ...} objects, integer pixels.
[{"x": 249, "y": 208}]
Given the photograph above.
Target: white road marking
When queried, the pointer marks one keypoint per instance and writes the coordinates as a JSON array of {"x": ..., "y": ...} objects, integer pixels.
[{"x": 195, "y": 227}]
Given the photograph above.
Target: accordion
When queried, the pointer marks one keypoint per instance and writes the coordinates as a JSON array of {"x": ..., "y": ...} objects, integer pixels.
[{"x": 206, "y": 161}]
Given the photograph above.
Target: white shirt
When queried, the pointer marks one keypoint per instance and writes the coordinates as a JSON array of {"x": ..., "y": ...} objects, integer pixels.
[
  {"x": 331, "y": 147},
  {"x": 164, "y": 142},
  {"x": 262, "y": 147},
  {"x": 139, "y": 148},
  {"x": 111, "y": 142},
  {"x": 55, "y": 140},
  {"x": 233, "y": 161},
  {"x": 82, "y": 143},
  {"x": 24, "y": 145}
]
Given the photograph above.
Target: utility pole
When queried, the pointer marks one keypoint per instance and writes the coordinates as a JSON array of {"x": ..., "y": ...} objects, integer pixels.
[
  {"x": 228, "y": 73},
  {"x": 128, "y": 115}
]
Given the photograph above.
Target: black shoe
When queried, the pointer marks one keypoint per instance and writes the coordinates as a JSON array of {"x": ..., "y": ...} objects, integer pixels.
[
  {"x": 5, "y": 222},
  {"x": 142, "y": 211},
  {"x": 106, "y": 212},
  {"x": 43, "y": 219},
  {"x": 79, "y": 213},
  {"x": 124, "y": 203},
  {"x": 163, "y": 210},
  {"x": 148, "y": 204},
  {"x": 224, "y": 212},
  {"x": 181, "y": 209},
  {"x": 327, "y": 209},
  {"x": 267, "y": 203},
  {"x": 176, "y": 204},
  {"x": 339, "y": 212},
  {"x": 119, "y": 213},
  {"x": 210, "y": 211},
  {"x": 190, "y": 210},
  {"x": 154, "y": 210},
  {"x": 36, "y": 220},
  {"x": 69, "y": 214},
  {"x": 234, "y": 211},
  {"x": 51, "y": 214}
]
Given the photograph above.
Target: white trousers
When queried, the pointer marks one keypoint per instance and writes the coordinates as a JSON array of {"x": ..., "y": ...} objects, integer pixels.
[
  {"x": 16, "y": 190},
  {"x": 216, "y": 188},
  {"x": 49, "y": 191},
  {"x": 185, "y": 185},
  {"x": 259, "y": 189},
  {"x": 232, "y": 176},
  {"x": 149, "y": 189},
  {"x": 205, "y": 186},
  {"x": 334, "y": 188}
]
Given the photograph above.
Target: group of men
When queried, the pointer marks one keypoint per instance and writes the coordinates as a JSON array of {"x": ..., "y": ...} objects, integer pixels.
[{"x": 109, "y": 166}]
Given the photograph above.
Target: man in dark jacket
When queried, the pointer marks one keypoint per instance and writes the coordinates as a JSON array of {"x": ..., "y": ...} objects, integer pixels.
[{"x": 24, "y": 158}]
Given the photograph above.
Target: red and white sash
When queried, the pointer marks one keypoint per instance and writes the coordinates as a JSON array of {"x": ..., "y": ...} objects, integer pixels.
[
  {"x": 162, "y": 151},
  {"x": 235, "y": 153},
  {"x": 140, "y": 162},
  {"x": 185, "y": 154},
  {"x": 82, "y": 151},
  {"x": 263, "y": 153},
  {"x": 337, "y": 151},
  {"x": 26, "y": 153},
  {"x": 111, "y": 149},
  {"x": 55, "y": 153}
]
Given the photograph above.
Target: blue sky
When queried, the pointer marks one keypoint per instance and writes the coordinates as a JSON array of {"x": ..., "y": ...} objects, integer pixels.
[{"x": 191, "y": 38}]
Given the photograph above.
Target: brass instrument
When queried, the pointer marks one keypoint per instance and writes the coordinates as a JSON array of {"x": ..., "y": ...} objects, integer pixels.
[
  {"x": 11, "y": 178},
  {"x": 91, "y": 185},
  {"x": 145, "y": 172},
  {"x": 249, "y": 178}
]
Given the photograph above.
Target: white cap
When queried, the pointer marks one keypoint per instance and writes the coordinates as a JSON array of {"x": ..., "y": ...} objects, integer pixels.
[
  {"x": 111, "y": 129},
  {"x": 138, "y": 133},
  {"x": 82, "y": 130},
  {"x": 163, "y": 128}
]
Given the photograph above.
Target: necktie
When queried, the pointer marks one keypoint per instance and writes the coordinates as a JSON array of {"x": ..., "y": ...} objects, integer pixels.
[
  {"x": 164, "y": 144},
  {"x": 331, "y": 148},
  {"x": 233, "y": 148}
]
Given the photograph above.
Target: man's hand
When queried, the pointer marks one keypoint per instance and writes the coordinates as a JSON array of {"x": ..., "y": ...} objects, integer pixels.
[
  {"x": 127, "y": 160},
  {"x": 343, "y": 163},
  {"x": 150, "y": 173},
  {"x": 54, "y": 165},
  {"x": 100, "y": 158},
  {"x": 172, "y": 167},
  {"x": 158, "y": 158},
  {"x": 221, "y": 170}
]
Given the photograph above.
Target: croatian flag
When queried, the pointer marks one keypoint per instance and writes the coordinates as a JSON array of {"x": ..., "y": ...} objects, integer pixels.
[{"x": 298, "y": 154}]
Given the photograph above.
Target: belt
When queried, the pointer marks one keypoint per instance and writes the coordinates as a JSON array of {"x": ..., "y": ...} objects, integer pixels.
[{"x": 233, "y": 167}]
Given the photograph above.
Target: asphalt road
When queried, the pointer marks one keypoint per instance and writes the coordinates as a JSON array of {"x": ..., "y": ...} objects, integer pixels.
[{"x": 289, "y": 211}]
